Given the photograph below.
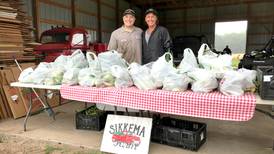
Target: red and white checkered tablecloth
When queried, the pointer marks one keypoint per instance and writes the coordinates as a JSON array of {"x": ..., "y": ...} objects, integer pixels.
[{"x": 212, "y": 105}]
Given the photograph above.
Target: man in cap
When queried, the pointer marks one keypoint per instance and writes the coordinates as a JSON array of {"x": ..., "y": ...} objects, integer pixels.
[
  {"x": 127, "y": 39},
  {"x": 156, "y": 39}
]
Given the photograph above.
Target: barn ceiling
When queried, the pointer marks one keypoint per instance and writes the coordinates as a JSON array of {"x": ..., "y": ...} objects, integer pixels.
[{"x": 182, "y": 4}]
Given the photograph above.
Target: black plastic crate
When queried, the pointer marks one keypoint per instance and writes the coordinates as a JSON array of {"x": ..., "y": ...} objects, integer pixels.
[
  {"x": 265, "y": 76},
  {"x": 90, "y": 122},
  {"x": 180, "y": 133}
]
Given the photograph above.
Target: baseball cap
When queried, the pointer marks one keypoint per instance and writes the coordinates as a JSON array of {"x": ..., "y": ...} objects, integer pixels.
[
  {"x": 151, "y": 10},
  {"x": 129, "y": 11}
]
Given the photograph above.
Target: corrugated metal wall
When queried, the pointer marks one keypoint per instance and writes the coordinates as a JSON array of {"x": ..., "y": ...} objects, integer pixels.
[
  {"x": 197, "y": 21},
  {"x": 59, "y": 12}
]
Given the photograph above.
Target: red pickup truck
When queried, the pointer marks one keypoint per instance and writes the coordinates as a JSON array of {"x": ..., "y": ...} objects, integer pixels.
[{"x": 64, "y": 41}]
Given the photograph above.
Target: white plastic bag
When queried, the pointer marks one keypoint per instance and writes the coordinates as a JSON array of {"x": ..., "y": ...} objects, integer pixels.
[
  {"x": 232, "y": 83},
  {"x": 93, "y": 62},
  {"x": 25, "y": 75},
  {"x": 55, "y": 76},
  {"x": 76, "y": 60},
  {"x": 162, "y": 67},
  {"x": 176, "y": 82},
  {"x": 122, "y": 77},
  {"x": 86, "y": 77},
  {"x": 250, "y": 77},
  {"x": 189, "y": 62},
  {"x": 211, "y": 61},
  {"x": 61, "y": 61},
  {"x": 104, "y": 79},
  {"x": 141, "y": 77},
  {"x": 40, "y": 73},
  {"x": 71, "y": 76},
  {"x": 110, "y": 58},
  {"x": 204, "y": 80}
]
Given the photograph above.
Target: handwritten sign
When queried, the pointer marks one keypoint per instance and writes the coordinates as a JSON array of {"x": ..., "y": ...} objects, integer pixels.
[{"x": 125, "y": 134}]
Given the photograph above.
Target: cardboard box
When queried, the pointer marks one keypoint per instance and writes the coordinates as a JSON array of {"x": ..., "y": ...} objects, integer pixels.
[{"x": 15, "y": 101}]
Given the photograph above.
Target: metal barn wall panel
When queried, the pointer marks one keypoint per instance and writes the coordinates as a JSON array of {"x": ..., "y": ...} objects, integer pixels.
[
  {"x": 260, "y": 28},
  {"x": 62, "y": 2},
  {"x": 200, "y": 12},
  {"x": 202, "y": 20},
  {"x": 262, "y": 9},
  {"x": 86, "y": 21},
  {"x": 109, "y": 2},
  {"x": 86, "y": 5},
  {"x": 108, "y": 12},
  {"x": 123, "y": 5},
  {"x": 139, "y": 18},
  {"x": 105, "y": 37},
  {"x": 55, "y": 14},
  {"x": 108, "y": 25},
  {"x": 28, "y": 7},
  {"x": 231, "y": 12},
  {"x": 108, "y": 19}
]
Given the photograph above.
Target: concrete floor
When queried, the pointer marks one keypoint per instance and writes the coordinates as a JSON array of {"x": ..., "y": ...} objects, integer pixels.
[{"x": 253, "y": 137}]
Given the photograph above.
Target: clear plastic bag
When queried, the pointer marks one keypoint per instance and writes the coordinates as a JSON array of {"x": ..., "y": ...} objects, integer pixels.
[
  {"x": 141, "y": 77},
  {"x": 176, "y": 82},
  {"x": 122, "y": 77},
  {"x": 211, "y": 61},
  {"x": 71, "y": 76},
  {"x": 203, "y": 80},
  {"x": 162, "y": 67},
  {"x": 110, "y": 58},
  {"x": 86, "y": 77},
  {"x": 189, "y": 62}
]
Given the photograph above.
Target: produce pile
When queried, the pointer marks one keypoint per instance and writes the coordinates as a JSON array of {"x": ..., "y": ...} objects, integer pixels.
[{"x": 205, "y": 73}]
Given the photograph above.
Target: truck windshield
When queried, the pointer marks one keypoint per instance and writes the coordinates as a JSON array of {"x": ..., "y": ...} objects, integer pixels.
[{"x": 55, "y": 38}]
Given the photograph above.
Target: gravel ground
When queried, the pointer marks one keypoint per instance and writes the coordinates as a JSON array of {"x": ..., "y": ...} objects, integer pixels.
[{"x": 18, "y": 145}]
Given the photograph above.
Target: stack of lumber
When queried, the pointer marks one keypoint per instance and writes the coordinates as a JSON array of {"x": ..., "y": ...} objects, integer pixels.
[{"x": 15, "y": 32}]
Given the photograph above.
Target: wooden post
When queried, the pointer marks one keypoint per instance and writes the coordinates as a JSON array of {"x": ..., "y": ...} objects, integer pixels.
[
  {"x": 36, "y": 18},
  {"x": 99, "y": 28},
  {"x": 73, "y": 22},
  {"x": 117, "y": 13}
]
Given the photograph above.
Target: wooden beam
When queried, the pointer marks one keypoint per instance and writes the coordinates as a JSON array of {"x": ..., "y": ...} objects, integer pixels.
[
  {"x": 73, "y": 21},
  {"x": 99, "y": 28},
  {"x": 117, "y": 12},
  {"x": 36, "y": 18},
  {"x": 204, "y": 4}
]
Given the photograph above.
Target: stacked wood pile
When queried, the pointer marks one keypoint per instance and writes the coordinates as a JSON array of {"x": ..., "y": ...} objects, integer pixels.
[{"x": 15, "y": 32}]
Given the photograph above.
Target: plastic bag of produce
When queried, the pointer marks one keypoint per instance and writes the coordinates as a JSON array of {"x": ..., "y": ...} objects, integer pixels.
[
  {"x": 122, "y": 77},
  {"x": 55, "y": 76},
  {"x": 61, "y": 61},
  {"x": 76, "y": 60},
  {"x": 71, "y": 76},
  {"x": 162, "y": 67},
  {"x": 25, "y": 75},
  {"x": 237, "y": 82},
  {"x": 250, "y": 77},
  {"x": 189, "y": 62},
  {"x": 40, "y": 73},
  {"x": 203, "y": 80},
  {"x": 86, "y": 77},
  {"x": 232, "y": 83},
  {"x": 141, "y": 77},
  {"x": 211, "y": 61},
  {"x": 104, "y": 79},
  {"x": 110, "y": 58},
  {"x": 176, "y": 82},
  {"x": 93, "y": 62}
]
